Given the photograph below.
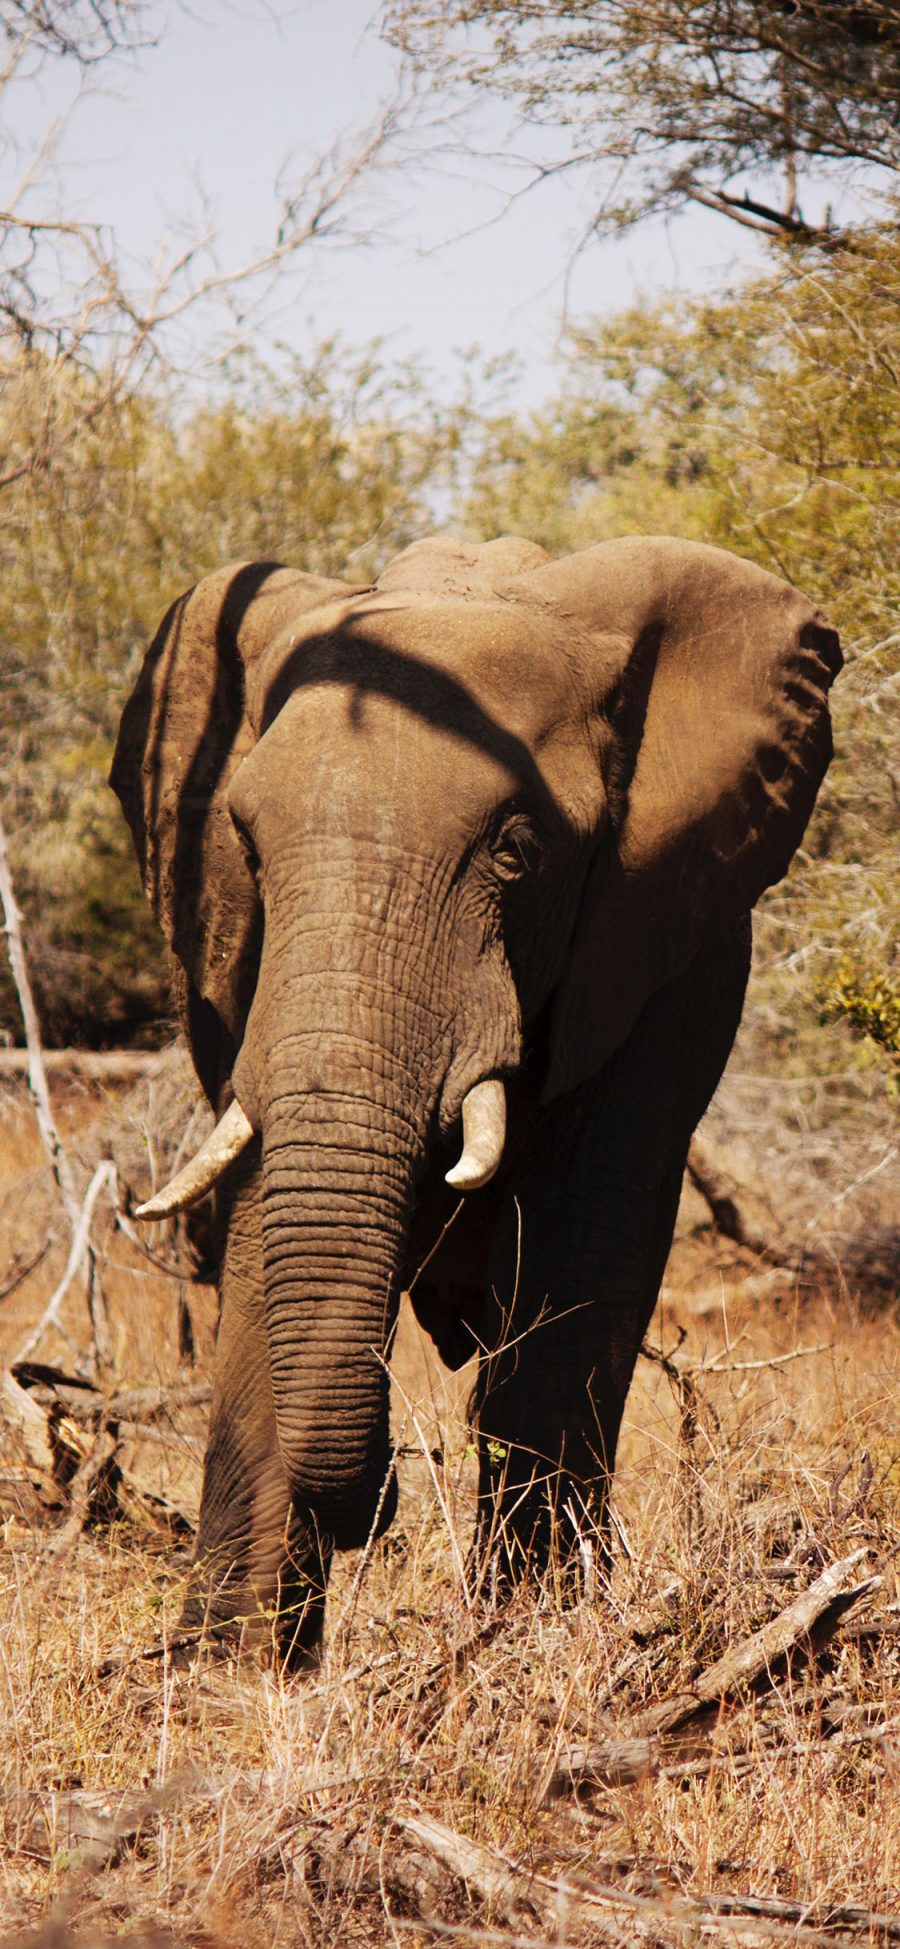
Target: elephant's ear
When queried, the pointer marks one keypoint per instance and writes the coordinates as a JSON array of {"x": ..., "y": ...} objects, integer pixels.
[
  {"x": 184, "y": 731},
  {"x": 709, "y": 683}
]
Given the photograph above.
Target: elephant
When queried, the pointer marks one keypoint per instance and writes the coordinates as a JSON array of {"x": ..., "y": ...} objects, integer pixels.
[{"x": 456, "y": 870}]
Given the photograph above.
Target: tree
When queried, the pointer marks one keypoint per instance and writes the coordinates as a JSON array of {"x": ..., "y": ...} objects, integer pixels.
[
  {"x": 84, "y": 30},
  {"x": 585, "y": 467},
  {"x": 70, "y": 303},
  {"x": 668, "y": 102}
]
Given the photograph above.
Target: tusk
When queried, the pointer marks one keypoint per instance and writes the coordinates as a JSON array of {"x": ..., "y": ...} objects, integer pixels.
[
  {"x": 232, "y": 1134},
  {"x": 484, "y": 1134}
]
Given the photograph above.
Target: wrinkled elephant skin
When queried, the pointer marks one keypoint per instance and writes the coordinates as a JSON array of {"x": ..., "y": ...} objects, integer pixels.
[{"x": 456, "y": 871}]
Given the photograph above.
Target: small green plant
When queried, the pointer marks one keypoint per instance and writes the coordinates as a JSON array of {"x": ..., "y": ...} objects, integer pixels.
[{"x": 871, "y": 1005}]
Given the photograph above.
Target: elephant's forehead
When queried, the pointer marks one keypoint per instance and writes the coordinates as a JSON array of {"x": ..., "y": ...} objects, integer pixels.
[{"x": 442, "y": 660}]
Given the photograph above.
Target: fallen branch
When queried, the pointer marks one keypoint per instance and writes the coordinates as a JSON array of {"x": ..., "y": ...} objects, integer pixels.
[
  {"x": 147, "y": 1403},
  {"x": 843, "y": 1915},
  {"x": 88, "y": 1065},
  {"x": 818, "y": 1609},
  {"x": 513, "y": 1890},
  {"x": 500, "y": 1882},
  {"x": 30, "y": 1422},
  {"x": 719, "y": 1365},
  {"x": 87, "y": 1404},
  {"x": 813, "y": 1616},
  {"x": 72, "y": 1437}
]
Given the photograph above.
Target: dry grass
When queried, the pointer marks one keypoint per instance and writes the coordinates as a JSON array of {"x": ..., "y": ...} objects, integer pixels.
[{"x": 285, "y": 1813}]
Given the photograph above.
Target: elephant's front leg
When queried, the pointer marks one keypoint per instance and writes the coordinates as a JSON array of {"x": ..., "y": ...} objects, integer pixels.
[
  {"x": 581, "y": 1255},
  {"x": 256, "y": 1560},
  {"x": 581, "y": 1270}
]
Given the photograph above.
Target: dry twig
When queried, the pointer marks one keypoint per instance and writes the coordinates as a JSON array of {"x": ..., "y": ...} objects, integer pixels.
[{"x": 80, "y": 1252}]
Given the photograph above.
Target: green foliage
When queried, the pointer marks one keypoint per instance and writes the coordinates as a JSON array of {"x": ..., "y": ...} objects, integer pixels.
[
  {"x": 870, "y": 1004},
  {"x": 583, "y": 468},
  {"x": 786, "y": 397},
  {"x": 328, "y": 466}
]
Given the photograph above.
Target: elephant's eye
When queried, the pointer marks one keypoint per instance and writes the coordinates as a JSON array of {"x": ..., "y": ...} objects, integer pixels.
[
  {"x": 247, "y": 846},
  {"x": 516, "y": 850}
]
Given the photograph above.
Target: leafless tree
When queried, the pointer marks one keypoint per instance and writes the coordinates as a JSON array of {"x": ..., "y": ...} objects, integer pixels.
[
  {"x": 670, "y": 102},
  {"x": 71, "y": 308}
]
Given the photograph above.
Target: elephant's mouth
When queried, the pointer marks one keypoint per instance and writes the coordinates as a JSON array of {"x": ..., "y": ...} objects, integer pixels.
[{"x": 484, "y": 1136}]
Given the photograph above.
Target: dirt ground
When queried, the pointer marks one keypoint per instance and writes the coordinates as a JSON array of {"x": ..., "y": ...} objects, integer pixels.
[{"x": 452, "y": 1772}]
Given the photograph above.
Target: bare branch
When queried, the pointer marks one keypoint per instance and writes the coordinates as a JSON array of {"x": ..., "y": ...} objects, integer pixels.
[
  {"x": 104, "y": 1178},
  {"x": 81, "y": 1260},
  {"x": 37, "y": 1075},
  {"x": 760, "y": 216}
]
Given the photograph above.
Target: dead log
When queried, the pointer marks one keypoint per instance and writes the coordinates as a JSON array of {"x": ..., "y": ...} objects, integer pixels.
[
  {"x": 502, "y": 1884},
  {"x": 806, "y": 1622},
  {"x": 89, "y": 1065},
  {"x": 29, "y": 1422},
  {"x": 515, "y": 1892},
  {"x": 87, "y": 1403},
  {"x": 71, "y": 1436}
]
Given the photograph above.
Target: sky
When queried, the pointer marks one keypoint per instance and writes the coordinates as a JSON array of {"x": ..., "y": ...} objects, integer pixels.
[{"x": 197, "y": 129}]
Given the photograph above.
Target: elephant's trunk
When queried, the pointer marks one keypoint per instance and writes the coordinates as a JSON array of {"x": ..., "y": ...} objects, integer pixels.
[
  {"x": 342, "y": 1066},
  {"x": 336, "y": 1198}
]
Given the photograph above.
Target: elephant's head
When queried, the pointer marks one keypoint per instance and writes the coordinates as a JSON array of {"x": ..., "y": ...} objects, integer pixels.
[{"x": 403, "y": 838}]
